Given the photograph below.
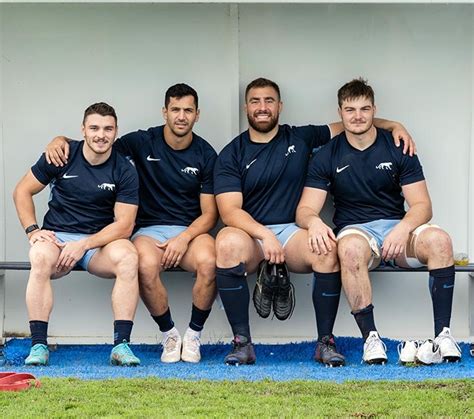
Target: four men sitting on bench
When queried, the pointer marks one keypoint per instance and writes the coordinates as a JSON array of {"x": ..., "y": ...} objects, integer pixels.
[{"x": 363, "y": 169}]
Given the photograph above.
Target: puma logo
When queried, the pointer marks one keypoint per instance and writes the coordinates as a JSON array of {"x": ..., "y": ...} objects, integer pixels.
[
  {"x": 291, "y": 150},
  {"x": 106, "y": 186},
  {"x": 384, "y": 166},
  {"x": 190, "y": 170}
]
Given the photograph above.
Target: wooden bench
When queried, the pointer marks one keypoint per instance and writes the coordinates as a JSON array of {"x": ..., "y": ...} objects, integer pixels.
[{"x": 25, "y": 266}]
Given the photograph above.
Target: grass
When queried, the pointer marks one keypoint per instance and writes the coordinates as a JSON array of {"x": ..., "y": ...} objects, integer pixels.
[{"x": 152, "y": 397}]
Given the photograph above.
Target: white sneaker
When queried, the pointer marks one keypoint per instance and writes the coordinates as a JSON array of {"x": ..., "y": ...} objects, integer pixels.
[
  {"x": 374, "y": 350},
  {"x": 171, "y": 346},
  {"x": 450, "y": 350},
  {"x": 428, "y": 353},
  {"x": 407, "y": 351},
  {"x": 191, "y": 346}
]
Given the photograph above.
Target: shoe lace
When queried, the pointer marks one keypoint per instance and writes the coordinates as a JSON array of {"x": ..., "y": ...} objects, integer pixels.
[
  {"x": 375, "y": 343},
  {"x": 38, "y": 350},
  {"x": 194, "y": 343},
  {"x": 440, "y": 338},
  {"x": 171, "y": 343}
]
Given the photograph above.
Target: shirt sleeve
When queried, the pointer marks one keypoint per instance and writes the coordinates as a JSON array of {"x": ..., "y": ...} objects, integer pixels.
[
  {"x": 127, "y": 192},
  {"x": 315, "y": 135},
  {"x": 411, "y": 170},
  {"x": 124, "y": 144},
  {"x": 207, "y": 185},
  {"x": 319, "y": 173},
  {"x": 43, "y": 171},
  {"x": 227, "y": 176}
]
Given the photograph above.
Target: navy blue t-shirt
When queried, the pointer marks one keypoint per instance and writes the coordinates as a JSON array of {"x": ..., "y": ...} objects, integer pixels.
[
  {"x": 271, "y": 175},
  {"x": 365, "y": 185},
  {"x": 171, "y": 181},
  {"x": 83, "y": 196}
]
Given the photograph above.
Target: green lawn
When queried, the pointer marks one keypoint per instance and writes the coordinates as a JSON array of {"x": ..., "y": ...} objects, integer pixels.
[{"x": 157, "y": 397}]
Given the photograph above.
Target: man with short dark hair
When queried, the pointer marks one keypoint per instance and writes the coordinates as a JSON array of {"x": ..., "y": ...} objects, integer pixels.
[
  {"x": 177, "y": 209},
  {"x": 259, "y": 177},
  {"x": 370, "y": 180},
  {"x": 92, "y": 209}
]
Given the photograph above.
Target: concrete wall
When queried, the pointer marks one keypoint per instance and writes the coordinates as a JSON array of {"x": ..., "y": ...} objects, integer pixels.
[{"x": 57, "y": 59}]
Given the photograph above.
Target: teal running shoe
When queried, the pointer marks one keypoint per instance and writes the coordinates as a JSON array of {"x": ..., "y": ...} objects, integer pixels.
[
  {"x": 123, "y": 356},
  {"x": 39, "y": 355}
]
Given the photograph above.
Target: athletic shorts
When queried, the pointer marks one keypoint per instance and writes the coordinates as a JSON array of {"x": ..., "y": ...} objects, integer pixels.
[
  {"x": 74, "y": 237},
  {"x": 283, "y": 232},
  {"x": 159, "y": 232}
]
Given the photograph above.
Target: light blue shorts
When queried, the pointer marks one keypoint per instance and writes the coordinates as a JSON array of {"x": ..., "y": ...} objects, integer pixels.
[
  {"x": 378, "y": 229},
  {"x": 159, "y": 232},
  {"x": 375, "y": 233},
  {"x": 283, "y": 232},
  {"x": 74, "y": 237}
]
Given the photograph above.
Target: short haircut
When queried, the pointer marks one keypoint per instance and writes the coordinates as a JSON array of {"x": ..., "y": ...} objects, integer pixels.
[
  {"x": 262, "y": 82},
  {"x": 100, "y": 108},
  {"x": 181, "y": 90},
  {"x": 354, "y": 89}
]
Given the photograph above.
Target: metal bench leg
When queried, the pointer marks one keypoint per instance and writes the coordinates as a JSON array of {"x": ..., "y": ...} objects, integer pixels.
[
  {"x": 471, "y": 311},
  {"x": 2, "y": 316}
]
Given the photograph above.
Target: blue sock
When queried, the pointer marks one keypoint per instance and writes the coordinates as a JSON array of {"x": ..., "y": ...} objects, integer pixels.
[
  {"x": 235, "y": 296},
  {"x": 39, "y": 332},
  {"x": 442, "y": 288},
  {"x": 198, "y": 318},
  {"x": 164, "y": 321},
  {"x": 365, "y": 320},
  {"x": 326, "y": 295},
  {"x": 122, "y": 331}
]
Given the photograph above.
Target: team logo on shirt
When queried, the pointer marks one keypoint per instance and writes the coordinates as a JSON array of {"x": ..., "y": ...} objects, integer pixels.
[
  {"x": 107, "y": 186},
  {"x": 190, "y": 170},
  {"x": 291, "y": 150},
  {"x": 384, "y": 166}
]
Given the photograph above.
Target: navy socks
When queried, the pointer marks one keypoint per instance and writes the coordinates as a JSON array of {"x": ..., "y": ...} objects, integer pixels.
[
  {"x": 326, "y": 295},
  {"x": 122, "y": 331},
  {"x": 164, "y": 321},
  {"x": 198, "y": 318},
  {"x": 442, "y": 287},
  {"x": 39, "y": 332},
  {"x": 235, "y": 296},
  {"x": 365, "y": 320}
]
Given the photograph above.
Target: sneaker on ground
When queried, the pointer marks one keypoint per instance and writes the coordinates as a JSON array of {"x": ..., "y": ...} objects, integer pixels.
[
  {"x": 264, "y": 288},
  {"x": 374, "y": 350},
  {"x": 39, "y": 355},
  {"x": 284, "y": 297},
  {"x": 327, "y": 354},
  {"x": 171, "y": 346},
  {"x": 407, "y": 351},
  {"x": 450, "y": 350},
  {"x": 123, "y": 356},
  {"x": 191, "y": 346},
  {"x": 242, "y": 352},
  {"x": 428, "y": 353}
]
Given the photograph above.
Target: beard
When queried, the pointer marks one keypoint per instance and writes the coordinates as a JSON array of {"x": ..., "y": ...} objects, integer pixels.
[
  {"x": 260, "y": 126},
  {"x": 360, "y": 130}
]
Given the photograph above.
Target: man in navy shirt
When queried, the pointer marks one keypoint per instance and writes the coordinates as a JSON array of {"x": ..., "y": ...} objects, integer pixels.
[
  {"x": 258, "y": 179},
  {"x": 92, "y": 209},
  {"x": 370, "y": 180},
  {"x": 177, "y": 209}
]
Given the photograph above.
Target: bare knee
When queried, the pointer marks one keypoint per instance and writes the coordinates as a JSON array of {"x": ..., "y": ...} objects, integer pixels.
[
  {"x": 124, "y": 259},
  {"x": 42, "y": 261},
  {"x": 230, "y": 247},
  {"x": 354, "y": 253},
  {"x": 326, "y": 263},
  {"x": 435, "y": 244}
]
